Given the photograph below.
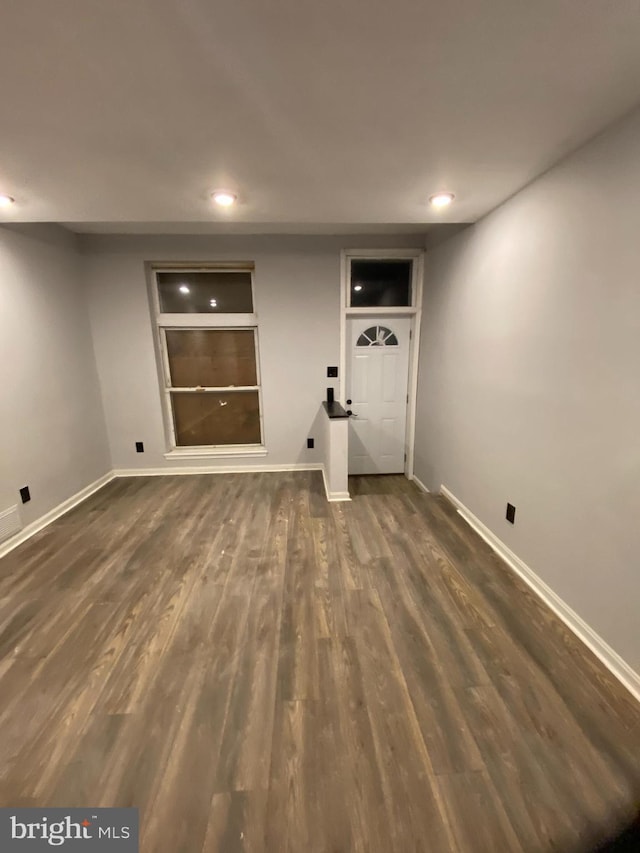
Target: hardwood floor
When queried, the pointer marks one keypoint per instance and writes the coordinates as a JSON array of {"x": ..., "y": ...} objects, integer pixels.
[{"x": 259, "y": 670}]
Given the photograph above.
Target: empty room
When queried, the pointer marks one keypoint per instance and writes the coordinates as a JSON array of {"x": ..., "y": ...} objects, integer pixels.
[{"x": 320, "y": 426}]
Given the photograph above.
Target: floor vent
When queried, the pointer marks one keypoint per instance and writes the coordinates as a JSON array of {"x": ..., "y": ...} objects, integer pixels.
[{"x": 9, "y": 522}]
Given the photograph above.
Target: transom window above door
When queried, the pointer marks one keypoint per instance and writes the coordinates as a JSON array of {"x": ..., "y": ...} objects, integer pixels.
[
  {"x": 381, "y": 282},
  {"x": 377, "y": 336}
]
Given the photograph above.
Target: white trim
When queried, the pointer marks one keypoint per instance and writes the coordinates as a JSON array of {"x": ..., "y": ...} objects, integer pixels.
[
  {"x": 414, "y": 311},
  {"x": 601, "y": 649},
  {"x": 333, "y": 497},
  {"x": 342, "y": 360},
  {"x": 214, "y": 320},
  {"x": 212, "y": 389},
  {"x": 42, "y": 522},
  {"x": 419, "y": 484},
  {"x": 610, "y": 658},
  {"x": 46, "y": 519},
  {"x": 219, "y": 452},
  {"x": 162, "y": 322},
  {"x": 235, "y": 469},
  {"x": 167, "y": 389},
  {"x": 414, "y": 354},
  {"x": 376, "y": 310},
  {"x": 381, "y": 254},
  {"x": 202, "y": 266},
  {"x": 215, "y": 469}
]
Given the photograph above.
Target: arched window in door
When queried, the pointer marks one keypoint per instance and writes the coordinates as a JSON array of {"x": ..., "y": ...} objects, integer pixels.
[{"x": 377, "y": 336}]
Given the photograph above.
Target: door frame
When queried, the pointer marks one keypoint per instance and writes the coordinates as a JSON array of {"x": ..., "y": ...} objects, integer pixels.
[{"x": 414, "y": 311}]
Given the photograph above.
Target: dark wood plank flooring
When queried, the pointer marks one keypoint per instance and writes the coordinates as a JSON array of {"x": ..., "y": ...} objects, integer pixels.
[{"x": 259, "y": 670}]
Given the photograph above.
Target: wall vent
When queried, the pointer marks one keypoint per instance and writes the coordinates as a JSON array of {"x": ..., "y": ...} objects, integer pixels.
[{"x": 9, "y": 522}]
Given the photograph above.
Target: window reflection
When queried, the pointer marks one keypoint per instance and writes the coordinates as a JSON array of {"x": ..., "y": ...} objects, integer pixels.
[
  {"x": 203, "y": 292},
  {"x": 380, "y": 282}
]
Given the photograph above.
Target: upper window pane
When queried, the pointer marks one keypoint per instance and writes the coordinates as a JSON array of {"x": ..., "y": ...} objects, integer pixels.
[
  {"x": 380, "y": 282},
  {"x": 211, "y": 358},
  {"x": 208, "y": 292}
]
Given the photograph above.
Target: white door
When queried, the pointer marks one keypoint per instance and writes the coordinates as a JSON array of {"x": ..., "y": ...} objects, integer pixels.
[{"x": 377, "y": 382}]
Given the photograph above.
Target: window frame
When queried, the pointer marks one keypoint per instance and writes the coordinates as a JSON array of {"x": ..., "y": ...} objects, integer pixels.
[
  {"x": 412, "y": 255},
  {"x": 192, "y": 322}
]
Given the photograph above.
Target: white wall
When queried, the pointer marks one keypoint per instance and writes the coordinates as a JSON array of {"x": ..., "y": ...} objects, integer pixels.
[
  {"x": 297, "y": 295},
  {"x": 529, "y": 387},
  {"x": 52, "y": 434}
]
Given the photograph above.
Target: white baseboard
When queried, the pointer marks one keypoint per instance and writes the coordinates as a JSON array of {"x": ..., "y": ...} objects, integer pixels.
[
  {"x": 214, "y": 469},
  {"x": 53, "y": 514},
  {"x": 83, "y": 494},
  {"x": 420, "y": 484},
  {"x": 333, "y": 496},
  {"x": 602, "y": 650},
  {"x": 234, "y": 469},
  {"x": 33, "y": 528}
]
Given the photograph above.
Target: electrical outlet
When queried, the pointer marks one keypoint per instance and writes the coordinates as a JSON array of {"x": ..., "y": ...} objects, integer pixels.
[
  {"x": 139, "y": 447},
  {"x": 511, "y": 513},
  {"x": 332, "y": 371},
  {"x": 310, "y": 443},
  {"x": 25, "y": 494}
]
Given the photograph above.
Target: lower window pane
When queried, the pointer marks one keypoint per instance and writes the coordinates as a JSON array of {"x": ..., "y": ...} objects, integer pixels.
[
  {"x": 213, "y": 357},
  {"x": 207, "y": 417}
]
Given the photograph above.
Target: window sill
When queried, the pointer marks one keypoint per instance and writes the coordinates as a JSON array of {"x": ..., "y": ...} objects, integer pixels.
[{"x": 215, "y": 452}]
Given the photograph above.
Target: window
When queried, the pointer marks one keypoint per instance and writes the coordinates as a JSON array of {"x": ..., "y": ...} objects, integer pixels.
[
  {"x": 377, "y": 336},
  {"x": 380, "y": 282},
  {"x": 207, "y": 333},
  {"x": 226, "y": 292}
]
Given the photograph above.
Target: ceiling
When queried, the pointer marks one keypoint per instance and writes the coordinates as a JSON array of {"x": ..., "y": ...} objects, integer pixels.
[{"x": 123, "y": 115}]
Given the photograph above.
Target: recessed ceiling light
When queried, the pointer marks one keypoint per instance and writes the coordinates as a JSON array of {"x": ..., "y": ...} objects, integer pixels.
[
  {"x": 224, "y": 198},
  {"x": 183, "y": 288},
  {"x": 441, "y": 199},
  {"x": 358, "y": 287},
  {"x": 6, "y": 201}
]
